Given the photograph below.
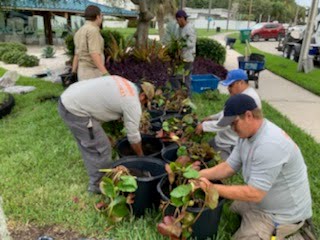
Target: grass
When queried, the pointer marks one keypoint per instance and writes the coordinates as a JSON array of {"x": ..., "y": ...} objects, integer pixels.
[
  {"x": 42, "y": 171},
  {"x": 285, "y": 68},
  {"x": 152, "y": 31}
]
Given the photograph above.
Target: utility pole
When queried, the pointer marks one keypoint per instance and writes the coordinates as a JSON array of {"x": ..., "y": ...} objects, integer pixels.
[
  {"x": 229, "y": 10},
  {"x": 249, "y": 17},
  {"x": 182, "y": 4},
  {"x": 296, "y": 16},
  {"x": 209, "y": 15},
  {"x": 306, "y": 64}
]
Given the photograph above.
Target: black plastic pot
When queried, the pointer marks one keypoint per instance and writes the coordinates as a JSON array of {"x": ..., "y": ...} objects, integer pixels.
[
  {"x": 146, "y": 196},
  {"x": 68, "y": 78},
  {"x": 156, "y": 115},
  {"x": 151, "y": 146},
  {"x": 206, "y": 227},
  {"x": 6, "y": 107},
  {"x": 183, "y": 112},
  {"x": 169, "y": 153}
]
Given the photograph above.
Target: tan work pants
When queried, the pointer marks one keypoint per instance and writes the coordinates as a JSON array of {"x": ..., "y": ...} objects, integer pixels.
[{"x": 257, "y": 225}]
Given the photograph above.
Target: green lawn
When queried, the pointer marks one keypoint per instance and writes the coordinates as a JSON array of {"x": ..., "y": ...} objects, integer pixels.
[
  {"x": 285, "y": 68},
  {"x": 42, "y": 172},
  {"x": 152, "y": 31}
]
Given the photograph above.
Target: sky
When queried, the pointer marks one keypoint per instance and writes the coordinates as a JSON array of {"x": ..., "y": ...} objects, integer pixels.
[{"x": 306, "y": 3}]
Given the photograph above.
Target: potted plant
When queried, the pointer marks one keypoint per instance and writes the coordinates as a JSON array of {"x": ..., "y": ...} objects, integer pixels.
[
  {"x": 188, "y": 207},
  {"x": 146, "y": 172},
  {"x": 6, "y": 103}
]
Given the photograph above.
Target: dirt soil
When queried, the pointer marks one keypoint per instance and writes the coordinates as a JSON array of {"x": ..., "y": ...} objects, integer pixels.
[{"x": 32, "y": 232}]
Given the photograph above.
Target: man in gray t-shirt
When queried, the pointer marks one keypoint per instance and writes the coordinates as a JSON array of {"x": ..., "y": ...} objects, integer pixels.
[{"x": 276, "y": 194}]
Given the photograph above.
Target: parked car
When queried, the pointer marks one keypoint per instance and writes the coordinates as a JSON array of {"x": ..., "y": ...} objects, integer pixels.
[{"x": 267, "y": 31}]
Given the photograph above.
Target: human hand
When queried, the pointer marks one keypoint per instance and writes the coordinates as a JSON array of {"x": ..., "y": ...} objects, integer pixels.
[
  {"x": 196, "y": 165},
  {"x": 199, "y": 129},
  {"x": 206, "y": 119}
]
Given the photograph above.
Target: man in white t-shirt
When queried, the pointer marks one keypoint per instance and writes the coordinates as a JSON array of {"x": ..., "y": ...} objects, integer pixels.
[
  {"x": 226, "y": 138},
  {"x": 275, "y": 198},
  {"x": 85, "y": 105}
]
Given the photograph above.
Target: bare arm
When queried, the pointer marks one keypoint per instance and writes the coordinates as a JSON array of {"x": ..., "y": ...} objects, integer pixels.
[
  {"x": 137, "y": 148},
  {"x": 221, "y": 171},
  {"x": 243, "y": 193},
  {"x": 96, "y": 57},
  {"x": 75, "y": 63}
]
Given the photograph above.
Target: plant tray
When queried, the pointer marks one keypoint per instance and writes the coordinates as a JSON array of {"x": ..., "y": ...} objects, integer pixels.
[{"x": 203, "y": 82}]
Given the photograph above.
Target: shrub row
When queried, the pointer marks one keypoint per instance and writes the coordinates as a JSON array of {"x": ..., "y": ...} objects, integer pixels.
[{"x": 15, "y": 53}]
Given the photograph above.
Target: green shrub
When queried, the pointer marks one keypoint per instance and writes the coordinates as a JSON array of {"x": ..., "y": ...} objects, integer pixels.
[
  {"x": 13, "y": 46},
  {"x": 28, "y": 61},
  {"x": 211, "y": 49},
  {"x": 69, "y": 44},
  {"x": 133, "y": 23},
  {"x": 104, "y": 33},
  {"x": 3, "y": 50},
  {"x": 48, "y": 52},
  {"x": 12, "y": 57}
]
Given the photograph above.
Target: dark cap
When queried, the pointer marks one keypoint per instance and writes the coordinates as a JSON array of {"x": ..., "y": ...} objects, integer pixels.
[
  {"x": 180, "y": 13},
  {"x": 235, "y": 106}
]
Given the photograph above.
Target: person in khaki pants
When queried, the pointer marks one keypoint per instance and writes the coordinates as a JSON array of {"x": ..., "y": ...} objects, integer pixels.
[
  {"x": 275, "y": 199},
  {"x": 89, "y": 60}
]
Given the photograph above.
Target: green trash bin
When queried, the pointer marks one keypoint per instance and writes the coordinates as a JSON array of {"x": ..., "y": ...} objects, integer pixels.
[{"x": 245, "y": 35}]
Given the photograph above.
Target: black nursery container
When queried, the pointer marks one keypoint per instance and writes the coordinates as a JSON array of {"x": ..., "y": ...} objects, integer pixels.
[
  {"x": 169, "y": 154},
  {"x": 146, "y": 196},
  {"x": 7, "y": 106},
  {"x": 151, "y": 146},
  {"x": 206, "y": 227},
  {"x": 156, "y": 115}
]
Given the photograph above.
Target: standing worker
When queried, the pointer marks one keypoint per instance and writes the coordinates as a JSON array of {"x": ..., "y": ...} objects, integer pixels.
[
  {"x": 89, "y": 60},
  {"x": 275, "y": 198},
  {"x": 188, "y": 33},
  {"x": 86, "y": 104}
]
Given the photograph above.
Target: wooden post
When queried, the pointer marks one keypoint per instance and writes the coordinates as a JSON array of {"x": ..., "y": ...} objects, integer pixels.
[
  {"x": 249, "y": 17},
  {"x": 48, "y": 28}
]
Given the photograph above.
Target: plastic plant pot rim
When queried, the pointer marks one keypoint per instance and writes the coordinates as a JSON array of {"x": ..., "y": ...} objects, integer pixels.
[{"x": 144, "y": 159}]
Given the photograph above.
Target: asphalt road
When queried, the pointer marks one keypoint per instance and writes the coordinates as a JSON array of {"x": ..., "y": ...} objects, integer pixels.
[{"x": 267, "y": 46}]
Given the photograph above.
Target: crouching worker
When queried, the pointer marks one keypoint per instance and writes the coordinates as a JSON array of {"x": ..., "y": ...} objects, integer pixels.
[
  {"x": 276, "y": 196},
  {"x": 86, "y": 104}
]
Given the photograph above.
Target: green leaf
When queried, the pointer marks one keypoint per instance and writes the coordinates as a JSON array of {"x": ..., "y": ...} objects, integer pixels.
[
  {"x": 188, "y": 119},
  {"x": 191, "y": 173},
  {"x": 182, "y": 151},
  {"x": 165, "y": 126},
  {"x": 161, "y": 102},
  {"x": 181, "y": 191},
  {"x": 127, "y": 184},
  {"x": 177, "y": 202},
  {"x": 120, "y": 210},
  {"x": 117, "y": 200},
  {"x": 107, "y": 187},
  {"x": 212, "y": 197}
]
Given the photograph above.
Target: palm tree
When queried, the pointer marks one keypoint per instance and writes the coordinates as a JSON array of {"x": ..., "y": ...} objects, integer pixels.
[{"x": 162, "y": 8}]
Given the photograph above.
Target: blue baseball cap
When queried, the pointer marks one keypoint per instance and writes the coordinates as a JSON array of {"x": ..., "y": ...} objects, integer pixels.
[
  {"x": 181, "y": 13},
  {"x": 235, "y": 106},
  {"x": 233, "y": 76}
]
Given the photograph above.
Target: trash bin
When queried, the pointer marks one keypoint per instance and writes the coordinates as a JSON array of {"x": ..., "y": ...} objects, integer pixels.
[
  {"x": 218, "y": 29},
  {"x": 245, "y": 35}
]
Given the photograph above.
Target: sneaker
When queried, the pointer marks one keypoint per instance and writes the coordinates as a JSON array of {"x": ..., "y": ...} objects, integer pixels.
[{"x": 94, "y": 189}]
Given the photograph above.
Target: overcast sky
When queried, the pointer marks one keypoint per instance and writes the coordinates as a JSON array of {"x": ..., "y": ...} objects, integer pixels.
[{"x": 306, "y": 3}]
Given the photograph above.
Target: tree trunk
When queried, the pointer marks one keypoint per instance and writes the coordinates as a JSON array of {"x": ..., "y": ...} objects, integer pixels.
[
  {"x": 160, "y": 20},
  {"x": 145, "y": 17}
]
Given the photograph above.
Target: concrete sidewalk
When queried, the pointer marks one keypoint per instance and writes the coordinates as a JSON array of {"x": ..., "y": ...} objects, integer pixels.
[{"x": 298, "y": 104}]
